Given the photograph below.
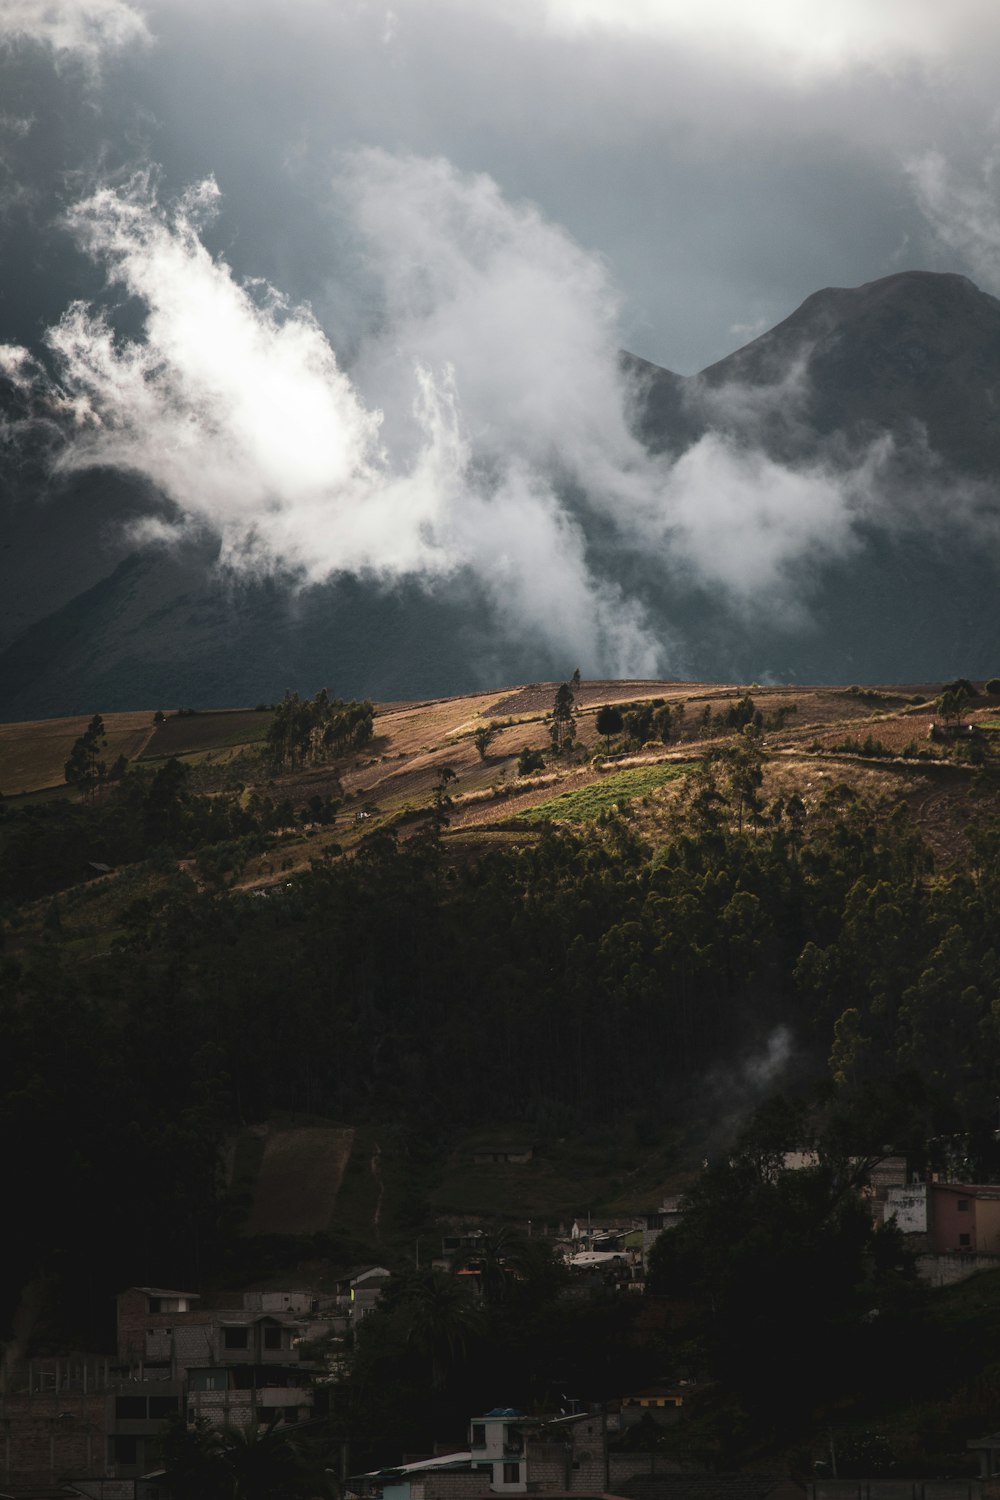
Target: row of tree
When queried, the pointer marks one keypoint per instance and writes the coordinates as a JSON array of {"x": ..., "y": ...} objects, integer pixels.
[{"x": 306, "y": 731}]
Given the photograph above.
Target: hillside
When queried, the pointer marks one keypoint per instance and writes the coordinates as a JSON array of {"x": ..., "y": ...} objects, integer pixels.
[{"x": 324, "y": 982}]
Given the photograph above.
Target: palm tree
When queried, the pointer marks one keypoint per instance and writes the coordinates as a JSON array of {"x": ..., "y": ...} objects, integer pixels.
[
  {"x": 439, "y": 1320},
  {"x": 238, "y": 1463},
  {"x": 260, "y": 1463}
]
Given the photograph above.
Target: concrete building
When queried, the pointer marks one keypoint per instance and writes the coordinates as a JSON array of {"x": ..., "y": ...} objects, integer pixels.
[
  {"x": 512, "y": 1454},
  {"x": 97, "y": 1421}
]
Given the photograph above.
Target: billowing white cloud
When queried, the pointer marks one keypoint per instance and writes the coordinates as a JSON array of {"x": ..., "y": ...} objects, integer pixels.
[
  {"x": 962, "y": 208},
  {"x": 233, "y": 404},
  {"x": 755, "y": 528},
  {"x": 86, "y": 28},
  {"x": 525, "y": 317},
  {"x": 484, "y": 426}
]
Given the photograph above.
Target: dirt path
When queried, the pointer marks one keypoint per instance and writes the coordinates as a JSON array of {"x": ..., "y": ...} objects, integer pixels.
[{"x": 377, "y": 1174}]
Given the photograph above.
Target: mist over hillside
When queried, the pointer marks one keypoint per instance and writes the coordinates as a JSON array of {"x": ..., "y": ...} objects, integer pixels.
[{"x": 789, "y": 514}]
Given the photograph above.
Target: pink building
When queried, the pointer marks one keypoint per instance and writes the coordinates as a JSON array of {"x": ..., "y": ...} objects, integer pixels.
[{"x": 965, "y": 1216}]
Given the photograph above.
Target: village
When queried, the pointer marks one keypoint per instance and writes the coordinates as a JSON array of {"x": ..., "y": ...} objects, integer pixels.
[{"x": 91, "y": 1424}]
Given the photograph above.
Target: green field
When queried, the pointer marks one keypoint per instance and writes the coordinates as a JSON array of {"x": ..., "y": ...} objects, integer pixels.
[{"x": 588, "y": 802}]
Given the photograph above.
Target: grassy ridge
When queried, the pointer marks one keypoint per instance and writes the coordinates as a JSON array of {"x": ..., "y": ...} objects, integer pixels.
[{"x": 588, "y": 802}]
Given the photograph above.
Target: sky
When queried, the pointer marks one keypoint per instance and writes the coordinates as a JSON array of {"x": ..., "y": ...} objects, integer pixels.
[{"x": 346, "y": 281}]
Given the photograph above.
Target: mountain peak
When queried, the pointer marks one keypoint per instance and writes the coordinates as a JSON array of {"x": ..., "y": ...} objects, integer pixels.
[{"x": 914, "y": 349}]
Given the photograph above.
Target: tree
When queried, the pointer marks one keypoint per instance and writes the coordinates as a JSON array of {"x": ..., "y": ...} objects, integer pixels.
[
  {"x": 530, "y": 760},
  {"x": 744, "y": 762},
  {"x": 609, "y": 721},
  {"x": 639, "y": 723},
  {"x": 85, "y": 768},
  {"x": 443, "y": 801},
  {"x": 438, "y": 1317},
  {"x": 484, "y": 736},
  {"x": 232, "y": 1463},
  {"x": 663, "y": 723},
  {"x": 790, "y": 1260},
  {"x": 953, "y": 703},
  {"x": 317, "y": 729},
  {"x": 562, "y": 727}
]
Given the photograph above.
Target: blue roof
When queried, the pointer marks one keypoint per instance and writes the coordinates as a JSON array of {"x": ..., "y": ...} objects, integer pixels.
[{"x": 506, "y": 1411}]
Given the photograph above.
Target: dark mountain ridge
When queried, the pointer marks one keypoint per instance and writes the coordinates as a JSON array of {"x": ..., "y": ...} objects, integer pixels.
[
  {"x": 84, "y": 622},
  {"x": 916, "y": 351}
]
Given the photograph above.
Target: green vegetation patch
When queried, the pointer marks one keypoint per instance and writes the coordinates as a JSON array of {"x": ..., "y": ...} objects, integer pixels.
[{"x": 587, "y": 802}]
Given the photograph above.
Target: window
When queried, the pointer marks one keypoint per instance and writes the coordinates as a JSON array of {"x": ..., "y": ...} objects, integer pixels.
[
  {"x": 125, "y": 1450},
  {"x": 963, "y": 1205},
  {"x": 161, "y": 1406},
  {"x": 272, "y": 1336},
  {"x": 235, "y": 1338},
  {"x": 965, "y": 1240},
  {"x": 512, "y": 1473},
  {"x": 130, "y": 1408},
  {"x": 478, "y": 1435}
]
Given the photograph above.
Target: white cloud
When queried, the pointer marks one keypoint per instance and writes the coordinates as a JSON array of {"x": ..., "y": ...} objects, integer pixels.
[
  {"x": 484, "y": 427},
  {"x": 756, "y": 528},
  {"x": 841, "y": 33},
  {"x": 234, "y": 405},
  {"x": 86, "y": 28},
  {"x": 963, "y": 210}
]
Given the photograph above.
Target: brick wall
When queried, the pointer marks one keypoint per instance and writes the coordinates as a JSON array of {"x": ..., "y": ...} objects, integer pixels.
[
  {"x": 454, "y": 1484},
  {"x": 550, "y": 1465},
  {"x": 622, "y": 1466},
  {"x": 193, "y": 1345},
  {"x": 47, "y": 1435},
  {"x": 223, "y": 1408},
  {"x": 135, "y": 1321}
]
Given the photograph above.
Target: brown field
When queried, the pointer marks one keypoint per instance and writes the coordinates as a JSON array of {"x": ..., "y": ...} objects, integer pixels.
[
  {"x": 32, "y": 755},
  {"x": 299, "y": 1179},
  {"x": 896, "y": 731},
  {"x": 187, "y": 734}
]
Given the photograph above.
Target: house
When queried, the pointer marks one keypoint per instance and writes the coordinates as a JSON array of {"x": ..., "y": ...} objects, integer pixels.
[
  {"x": 964, "y": 1217},
  {"x": 662, "y": 1403},
  {"x": 987, "y": 1451},
  {"x": 359, "y": 1291},
  {"x": 512, "y": 1454},
  {"x": 509, "y": 1454},
  {"x": 667, "y": 1216},
  {"x": 605, "y": 1234},
  {"x": 92, "y": 1419},
  {"x": 952, "y": 730},
  {"x": 503, "y": 1153}
]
